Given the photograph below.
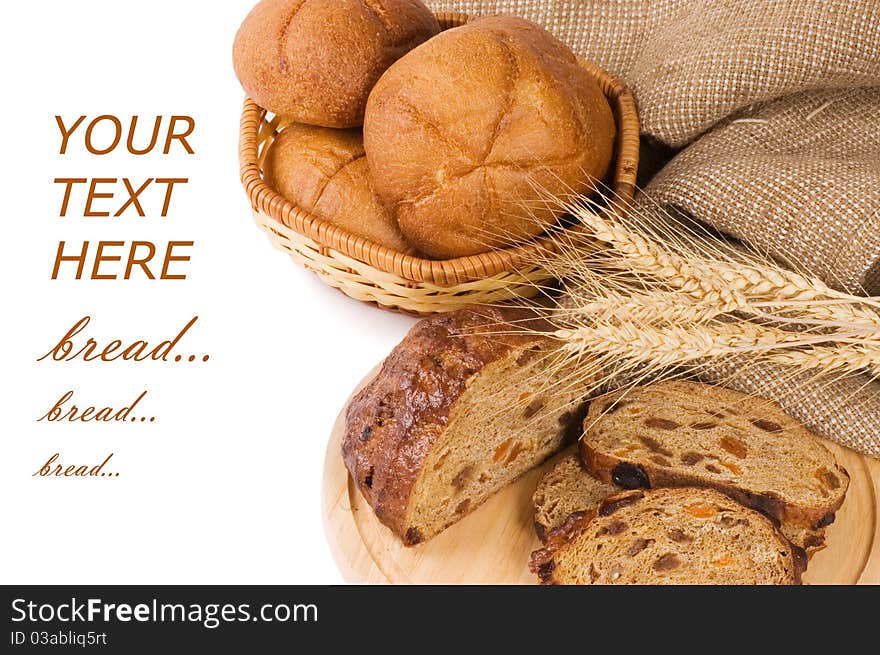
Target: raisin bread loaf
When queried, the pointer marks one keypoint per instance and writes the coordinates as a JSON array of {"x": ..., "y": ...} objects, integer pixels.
[
  {"x": 461, "y": 407},
  {"x": 674, "y": 434},
  {"x": 668, "y": 536},
  {"x": 566, "y": 488}
]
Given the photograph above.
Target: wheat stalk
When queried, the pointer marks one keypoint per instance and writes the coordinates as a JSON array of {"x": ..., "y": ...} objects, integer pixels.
[
  {"x": 700, "y": 266},
  {"x": 658, "y": 296},
  {"x": 673, "y": 345},
  {"x": 829, "y": 359}
]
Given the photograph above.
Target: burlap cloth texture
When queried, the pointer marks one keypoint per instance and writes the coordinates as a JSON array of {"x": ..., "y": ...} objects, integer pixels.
[{"x": 774, "y": 107}]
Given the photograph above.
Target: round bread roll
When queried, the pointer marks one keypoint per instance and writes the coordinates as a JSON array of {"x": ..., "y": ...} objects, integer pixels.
[
  {"x": 468, "y": 133},
  {"x": 324, "y": 172},
  {"x": 315, "y": 61}
]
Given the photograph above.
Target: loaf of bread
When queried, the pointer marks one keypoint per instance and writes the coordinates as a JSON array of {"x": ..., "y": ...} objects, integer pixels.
[
  {"x": 315, "y": 61},
  {"x": 324, "y": 172},
  {"x": 565, "y": 489},
  {"x": 468, "y": 134},
  {"x": 668, "y": 536},
  {"x": 674, "y": 434},
  {"x": 460, "y": 408}
]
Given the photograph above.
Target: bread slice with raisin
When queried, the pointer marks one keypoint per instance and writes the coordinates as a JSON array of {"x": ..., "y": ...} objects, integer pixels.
[
  {"x": 464, "y": 405},
  {"x": 668, "y": 536},
  {"x": 566, "y": 488},
  {"x": 674, "y": 434}
]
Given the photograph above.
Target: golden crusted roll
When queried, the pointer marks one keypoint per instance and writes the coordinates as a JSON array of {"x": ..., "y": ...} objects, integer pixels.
[
  {"x": 465, "y": 134},
  {"x": 315, "y": 61},
  {"x": 324, "y": 172}
]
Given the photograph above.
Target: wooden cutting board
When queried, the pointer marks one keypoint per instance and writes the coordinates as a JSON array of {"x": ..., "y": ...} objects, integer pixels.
[{"x": 493, "y": 543}]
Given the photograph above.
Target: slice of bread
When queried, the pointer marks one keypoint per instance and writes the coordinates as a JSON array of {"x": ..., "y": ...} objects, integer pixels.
[
  {"x": 566, "y": 488},
  {"x": 462, "y": 406},
  {"x": 675, "y": 434},
  {"x": 569, "y": 487},
  {"x": 668, "y": 536}
]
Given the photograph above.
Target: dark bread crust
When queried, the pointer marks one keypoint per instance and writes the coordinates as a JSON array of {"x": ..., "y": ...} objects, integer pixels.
[
  {"x": 645, "y": 474},
  {"x": 393, "y": 422}
]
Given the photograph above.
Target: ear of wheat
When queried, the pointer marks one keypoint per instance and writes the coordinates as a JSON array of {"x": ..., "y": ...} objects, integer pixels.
[{"x": 646, "y": 295}]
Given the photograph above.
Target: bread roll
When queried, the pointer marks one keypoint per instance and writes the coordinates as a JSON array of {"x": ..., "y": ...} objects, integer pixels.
[
  {"x": 324, "y": 172},
  {"x": 315, "y": 61},
  {"x": 466, "y": 133}
]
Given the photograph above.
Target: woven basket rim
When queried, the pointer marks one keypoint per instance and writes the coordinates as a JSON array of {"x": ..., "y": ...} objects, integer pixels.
[{"x": 411, "y": 267}]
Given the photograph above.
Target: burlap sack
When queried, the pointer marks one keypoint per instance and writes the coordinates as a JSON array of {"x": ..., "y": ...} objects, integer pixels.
[
  {"x": 693, "y": 62},
  {"x": 798, "y": 177},
  {"x": 777, "y": 108},
  {"x": 846, "y": 411}
]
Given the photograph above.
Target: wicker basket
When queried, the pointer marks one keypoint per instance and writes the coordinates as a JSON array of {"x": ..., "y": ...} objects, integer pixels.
[{"x": 392, "y": 280}]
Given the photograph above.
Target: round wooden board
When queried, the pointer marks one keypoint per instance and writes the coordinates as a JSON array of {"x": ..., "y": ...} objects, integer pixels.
[{"x": 493, "y": 543}]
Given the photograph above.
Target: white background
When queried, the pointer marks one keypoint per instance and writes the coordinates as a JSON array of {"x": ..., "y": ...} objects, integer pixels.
[{"x": 225, "y": 486}]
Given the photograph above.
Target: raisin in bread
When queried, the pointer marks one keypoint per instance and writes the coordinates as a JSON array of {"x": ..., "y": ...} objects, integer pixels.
[
  {"x": 674, "y": 434},
  {"x": 566, "y": 488},
  {"x": 465, "y": 404},
  {"x": 668, "y": 536}
]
